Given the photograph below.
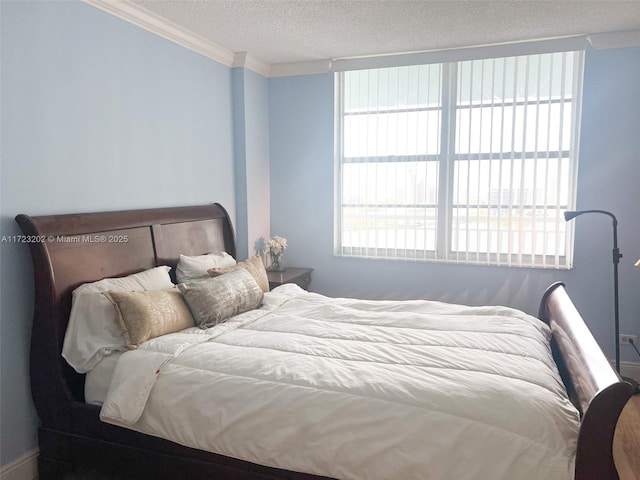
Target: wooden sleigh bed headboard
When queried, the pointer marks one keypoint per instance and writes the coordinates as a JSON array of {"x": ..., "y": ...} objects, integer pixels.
[{"x": 69, "y": 250}]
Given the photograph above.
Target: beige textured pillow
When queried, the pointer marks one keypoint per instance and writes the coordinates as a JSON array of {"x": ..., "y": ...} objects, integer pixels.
[
  {"x": 213, "y": 300},
  {"x": 252, "y": 265},
  {"x": 195, "y": 267},
  {"x": 149, "y": 314}
]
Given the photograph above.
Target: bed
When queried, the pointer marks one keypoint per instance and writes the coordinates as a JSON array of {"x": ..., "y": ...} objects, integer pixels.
[{"x": 74, "y": 249}]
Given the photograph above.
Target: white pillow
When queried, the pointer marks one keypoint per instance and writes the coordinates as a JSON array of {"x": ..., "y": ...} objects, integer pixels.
[
  {"x": 93, "y": 331},
  {"x": 195, "y": 267}
]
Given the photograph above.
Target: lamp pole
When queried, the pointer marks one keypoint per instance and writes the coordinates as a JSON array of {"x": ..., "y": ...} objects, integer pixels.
[{"x": 616, "y": 260}]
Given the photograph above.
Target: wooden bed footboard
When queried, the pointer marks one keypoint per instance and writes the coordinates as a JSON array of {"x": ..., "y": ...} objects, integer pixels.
[{"x": 592, "y": 383}]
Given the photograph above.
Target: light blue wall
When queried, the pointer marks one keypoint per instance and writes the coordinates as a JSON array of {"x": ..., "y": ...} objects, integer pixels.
[
  {"x": 302, "y": 189},
  {"x": 240, "y": 161},
  {"x": 97, "y": 114},
  {"x": 609, "y": 179},
  {"x": 258, "y": 159},
  {"x": 251, "y": 141}
]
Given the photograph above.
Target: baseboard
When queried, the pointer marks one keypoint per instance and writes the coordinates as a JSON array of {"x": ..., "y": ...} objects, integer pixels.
[
  {"x": 631, "y": 370},
  {"x": 22, "y": 468}
]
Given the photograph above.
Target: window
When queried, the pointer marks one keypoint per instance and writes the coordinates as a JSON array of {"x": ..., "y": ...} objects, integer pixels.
[{"x": 466, "y": 162}]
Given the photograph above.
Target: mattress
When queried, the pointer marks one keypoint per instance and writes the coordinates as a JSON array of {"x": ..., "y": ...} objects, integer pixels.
[{"x": 357, "y": 390}]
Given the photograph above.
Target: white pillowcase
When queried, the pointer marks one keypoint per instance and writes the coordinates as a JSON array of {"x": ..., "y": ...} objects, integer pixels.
[
  {"x": 195, "y": 267},
  {"x": 93, "y": 331}
]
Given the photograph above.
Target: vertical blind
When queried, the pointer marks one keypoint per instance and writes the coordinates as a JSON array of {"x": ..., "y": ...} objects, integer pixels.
[{"x": 468, "y": 162}]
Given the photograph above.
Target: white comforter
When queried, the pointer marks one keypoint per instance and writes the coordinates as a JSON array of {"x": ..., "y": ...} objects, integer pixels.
[{"x": 357, "y": 389}]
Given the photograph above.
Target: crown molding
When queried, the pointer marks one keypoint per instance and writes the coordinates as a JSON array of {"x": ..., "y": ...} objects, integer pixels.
[
  {"x": 300, "y": 68},
  {"x": 248, "y": 61},
  {"x": 153, "y": 23},
  {"x": 143, "y": 18},
  {"x": 603, "y": 41}
]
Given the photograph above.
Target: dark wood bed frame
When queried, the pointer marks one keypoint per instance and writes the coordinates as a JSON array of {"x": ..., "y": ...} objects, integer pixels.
[{"x": 69, "y": 250}]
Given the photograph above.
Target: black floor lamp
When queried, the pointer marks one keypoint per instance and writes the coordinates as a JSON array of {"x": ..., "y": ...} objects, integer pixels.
[{"x": 569, "y": 215}]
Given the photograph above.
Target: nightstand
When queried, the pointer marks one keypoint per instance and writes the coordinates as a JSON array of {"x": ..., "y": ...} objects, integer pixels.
[{"x": 299, "y": 276}]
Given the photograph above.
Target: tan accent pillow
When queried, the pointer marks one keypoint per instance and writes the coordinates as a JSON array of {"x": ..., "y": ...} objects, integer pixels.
[
  {"x": 149, "y": 314},
  {"x": 213, "y": 300},
  {"x": 252, "y": 265}
]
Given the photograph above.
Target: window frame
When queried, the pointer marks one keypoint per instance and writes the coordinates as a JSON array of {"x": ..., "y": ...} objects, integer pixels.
[{"x": 447, "y": 157}]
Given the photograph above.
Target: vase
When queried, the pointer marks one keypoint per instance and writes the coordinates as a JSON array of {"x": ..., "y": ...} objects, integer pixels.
[{"x": 276, "y": 263}]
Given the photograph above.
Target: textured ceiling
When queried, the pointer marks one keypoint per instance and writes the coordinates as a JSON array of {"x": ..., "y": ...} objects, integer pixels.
[{"x": 284, "y": 31}]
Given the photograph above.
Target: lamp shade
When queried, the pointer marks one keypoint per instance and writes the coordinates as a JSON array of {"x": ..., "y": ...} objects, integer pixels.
[{"x": 568, "y": 215}]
